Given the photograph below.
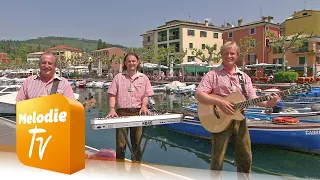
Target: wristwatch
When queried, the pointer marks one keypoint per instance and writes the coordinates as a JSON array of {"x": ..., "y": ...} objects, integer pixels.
[{"x": 111, "y": 108}]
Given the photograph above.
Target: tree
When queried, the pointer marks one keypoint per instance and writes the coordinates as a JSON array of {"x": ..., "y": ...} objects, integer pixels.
[
  {"x": 39, "y": 48},
  {"x": 108, "y": 61},
  {"x": 100, "y": 44},
  {"x": 177, "y": 58},
  {"x": 163, "y": 55},
  {"x": 285, "y": 43},
  {"x": 213, "y": 54},
  {"x": 247, "y": 45}
]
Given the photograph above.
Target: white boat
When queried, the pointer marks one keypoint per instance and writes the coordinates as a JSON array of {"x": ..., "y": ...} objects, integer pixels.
[
  {"x": 174, "y": 85},
  {"x": 160, "y": 87},
  {"x": 9, "y": 89},
  {"x": 106, "y": 85},
  {"x": 98, "y": 84},
  {"x": 11, "y": 98},
  {"x": 186, "y": 89},
  {"x": 90, "y": 84}
]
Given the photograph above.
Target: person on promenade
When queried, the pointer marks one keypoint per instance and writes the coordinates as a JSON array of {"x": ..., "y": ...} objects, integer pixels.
[
  {"x": 222, "y": 81},
  {"x": 129, "y": 93},
  {"x": 47, "y": 82}
]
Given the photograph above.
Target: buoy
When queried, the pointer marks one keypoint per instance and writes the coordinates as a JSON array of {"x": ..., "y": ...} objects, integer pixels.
[
  {"x": 103, "y": 154},
  {"x": 285, "y": 120}
]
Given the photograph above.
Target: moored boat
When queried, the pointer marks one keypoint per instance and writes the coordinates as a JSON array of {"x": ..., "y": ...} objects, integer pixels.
[{"x": 304, "y": 137}]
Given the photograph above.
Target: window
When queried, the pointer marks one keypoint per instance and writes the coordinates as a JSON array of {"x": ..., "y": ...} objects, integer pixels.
[
  {"x": 148, "y": 38},
  {"x": 203, "y": 46},
  {"x": 302, "y": 60},
  {"x": 277, "y": 61},
  {"x": 277, "y": 50},
  {"x": 252, "y": 31},
  {"x": 203, "y": 34},
  {"x": 190, "y": 32},
  {"x": 252, "y": 58},
  {"x": 230, "y": 35},
  {"x": 215, "y": 35},
  {"x": 253, "y": 43},
  {"x": 190, "y": 45},
  {"x": 190, "y": 58}
]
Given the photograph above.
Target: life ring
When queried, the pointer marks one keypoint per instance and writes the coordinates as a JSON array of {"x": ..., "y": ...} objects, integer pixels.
[{"x": 285, "y": 120}]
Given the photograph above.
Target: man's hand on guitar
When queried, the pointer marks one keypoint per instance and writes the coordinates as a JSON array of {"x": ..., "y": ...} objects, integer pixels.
[
  {"x": 226, "y": 107},
  {"x": 273, "y": 99}
]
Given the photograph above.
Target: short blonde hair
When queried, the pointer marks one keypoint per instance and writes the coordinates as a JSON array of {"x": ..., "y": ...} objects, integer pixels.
[{"x": 228, "y": 44}]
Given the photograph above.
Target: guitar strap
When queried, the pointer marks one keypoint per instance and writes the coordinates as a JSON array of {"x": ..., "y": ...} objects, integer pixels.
[
  {"x": 243, "y": 86},
  {"x": 54, "y": 86}
]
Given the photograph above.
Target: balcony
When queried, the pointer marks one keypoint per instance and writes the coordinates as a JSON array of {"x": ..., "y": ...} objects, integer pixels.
[
  {"x": 161, "y": 39},
  {"x": 173, "y": 37},
  {"x": 301, "y": 50}
]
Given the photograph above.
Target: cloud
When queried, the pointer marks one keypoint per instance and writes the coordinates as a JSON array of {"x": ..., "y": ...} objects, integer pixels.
[
  {"x": 4, "y": 38},
  {"x": 208, "y": 19}
]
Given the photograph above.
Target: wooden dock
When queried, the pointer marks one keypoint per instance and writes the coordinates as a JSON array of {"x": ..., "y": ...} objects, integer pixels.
[{"x": 7, "y": 132}]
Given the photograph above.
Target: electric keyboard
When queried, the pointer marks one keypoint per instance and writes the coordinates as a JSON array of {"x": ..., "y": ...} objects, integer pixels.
[{"x": 135, "y": 121}]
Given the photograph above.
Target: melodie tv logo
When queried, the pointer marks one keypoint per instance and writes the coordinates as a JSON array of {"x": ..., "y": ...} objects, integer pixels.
[{"x": 50, "y": 133}]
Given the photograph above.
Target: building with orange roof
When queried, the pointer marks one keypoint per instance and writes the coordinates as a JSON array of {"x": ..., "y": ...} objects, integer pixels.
[
  {"x": 4, "y": 58},
  {"x": 256, "y": 30},
  {"x": 65, "y": 52},
  {"x": 34, "y": 57},
  {"x": 105, "y": 53}
]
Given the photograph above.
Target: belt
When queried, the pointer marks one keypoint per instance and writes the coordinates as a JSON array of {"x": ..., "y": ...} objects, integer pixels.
[{"x": 129, "y": 110}]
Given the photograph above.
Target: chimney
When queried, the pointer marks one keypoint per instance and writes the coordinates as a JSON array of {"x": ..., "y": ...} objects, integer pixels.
[
  {"x": 228, "y": 25},
  {"x": 270, "y": 19},
  {"x": 206, "y": 22},
  {"x": 264, "y": 19},
  {"x": 240, "y": 22}
]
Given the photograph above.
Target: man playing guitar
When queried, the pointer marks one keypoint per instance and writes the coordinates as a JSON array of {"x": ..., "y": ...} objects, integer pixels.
[{"x": 222, "y": 81}]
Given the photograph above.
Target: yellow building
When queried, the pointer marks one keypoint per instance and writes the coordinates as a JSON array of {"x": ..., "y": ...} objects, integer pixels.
[
  {"x": 185, "y": 35},
  {"x": 34, "y": 57},
  {"x": 65, "y": 52},
  {"x": 305, "y": 20}
]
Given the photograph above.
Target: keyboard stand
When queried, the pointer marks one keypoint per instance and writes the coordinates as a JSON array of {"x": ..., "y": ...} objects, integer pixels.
[{"x": 133, "y": 153}]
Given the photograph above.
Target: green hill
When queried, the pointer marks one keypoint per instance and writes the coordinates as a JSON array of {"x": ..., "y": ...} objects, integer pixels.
[{"x": 19, "y": 49}]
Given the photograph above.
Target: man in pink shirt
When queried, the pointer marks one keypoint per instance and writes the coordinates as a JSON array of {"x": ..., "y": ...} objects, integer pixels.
[
  {"x": 223, "y": 81},
  {"x": 46, "y": 82},
  {"x": 129, "y": 93}
]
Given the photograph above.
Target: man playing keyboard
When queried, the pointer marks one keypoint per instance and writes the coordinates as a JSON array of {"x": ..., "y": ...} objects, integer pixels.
[{"x": 129, "y": 93}]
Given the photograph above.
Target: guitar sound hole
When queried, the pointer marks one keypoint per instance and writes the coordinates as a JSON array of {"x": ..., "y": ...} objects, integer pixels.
[{"x": 216, "y": 112}]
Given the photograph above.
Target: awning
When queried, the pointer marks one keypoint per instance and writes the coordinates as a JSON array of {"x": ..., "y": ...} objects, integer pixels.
[
  {"x": 301, "y": 68},
  {"x": 196, "y": 69}
]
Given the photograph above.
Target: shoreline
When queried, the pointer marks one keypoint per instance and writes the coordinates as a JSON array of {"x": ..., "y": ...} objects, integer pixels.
[{"x": 197, "y": 83}]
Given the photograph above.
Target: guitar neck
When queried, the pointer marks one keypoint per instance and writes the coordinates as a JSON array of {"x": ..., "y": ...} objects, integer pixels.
[{"x": 250, "y": 102}]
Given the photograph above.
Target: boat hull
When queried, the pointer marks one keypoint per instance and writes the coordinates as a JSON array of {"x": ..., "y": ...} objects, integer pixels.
[{"x": 301, "y": 138}]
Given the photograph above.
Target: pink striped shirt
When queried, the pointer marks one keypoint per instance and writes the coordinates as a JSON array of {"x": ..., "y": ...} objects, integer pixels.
[
  {"x": 220, "y": 82},
  {"x": 129, "y": 91},
  {"x": 33, "y": 87}
]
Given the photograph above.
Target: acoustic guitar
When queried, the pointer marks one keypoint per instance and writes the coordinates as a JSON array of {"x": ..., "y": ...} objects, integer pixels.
[{"x": 214, "y": 120}]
